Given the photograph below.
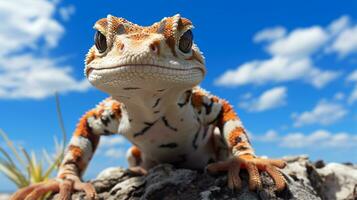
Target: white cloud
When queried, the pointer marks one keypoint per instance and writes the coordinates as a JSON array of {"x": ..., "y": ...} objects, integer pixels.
[
  {"x": 277, "y": 69},
  {"x": 112, "y": 141},
  {"x": 27, "y": 32},
  {"x": 346, "y": 42},
  {"x": 339, "y": 96},
  {"x": 26, "y": 76},
  {"x": 324, "y": 113},
  {"x": 25, "y": 23},
  {"x": 338, "y": 25},
  {"x": 270, "y": 34},
  {"x": 299, "y": 43},
  {"x": 353, "y": 78},
  {"x": 269, "y": 136},
  {"x": 292, "y": 56},
  {"x": 67, "y": 12},
  {"x": 115, "y": 153},
  {"x": 317, "y": 139},
  {"x": 320, "y": 78},
  {"x": 353, "y": 96},
  {"x": 112, "y": 146},
  {"x": 273, "y": 98}
]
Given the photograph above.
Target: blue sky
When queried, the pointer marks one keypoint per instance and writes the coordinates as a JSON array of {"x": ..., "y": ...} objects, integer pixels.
[{"x": 288, "y": 67}]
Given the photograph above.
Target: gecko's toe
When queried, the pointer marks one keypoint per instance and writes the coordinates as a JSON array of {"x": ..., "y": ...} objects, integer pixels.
[
  {"x": 218, "y": 167},
  {"x": 234, "y": 181},
  {"x": 277, "y": 177},
  {"x": 254, "y": 177},
  {"x": 42, "y": 190},
  {"x": 87, "y": 188},
  {"x": 23, "y": 192},
  {"x": 35, "y": 191},
  {"x": 65, "y": 190},
  {"x": 138, "y": 170},
  {"x": 277, "y": 163}
]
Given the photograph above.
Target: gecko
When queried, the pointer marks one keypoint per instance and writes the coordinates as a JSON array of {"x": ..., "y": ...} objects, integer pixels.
[{"x": 152, "y": 75}]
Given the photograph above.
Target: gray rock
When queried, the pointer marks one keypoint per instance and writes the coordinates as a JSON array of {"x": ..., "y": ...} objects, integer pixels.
[
  {"x": 4, "y": 196},
  {"x": 165, "y": 182},
  {"x": 338, "y": 181}
]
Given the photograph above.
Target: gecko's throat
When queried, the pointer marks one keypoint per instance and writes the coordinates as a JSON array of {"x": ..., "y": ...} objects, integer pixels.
[{"x": 113, "y": 79}]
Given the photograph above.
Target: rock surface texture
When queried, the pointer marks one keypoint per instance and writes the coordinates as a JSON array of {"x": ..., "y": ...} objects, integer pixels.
[{"x": 306, "y": 180}]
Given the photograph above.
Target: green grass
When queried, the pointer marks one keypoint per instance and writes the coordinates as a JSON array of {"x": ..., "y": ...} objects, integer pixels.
[{"x": 24, "y": 168}]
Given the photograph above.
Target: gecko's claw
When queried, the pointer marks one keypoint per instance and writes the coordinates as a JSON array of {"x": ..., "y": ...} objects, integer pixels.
[
  {"x": 232, "y": 167},
  {"x": 253, "y": 166},
  {"x": 87, "y": 188},
  {"x": 36, "y": 191},
  {"x": 234, "y": 181},
  {"x": 65, "y": 187}
]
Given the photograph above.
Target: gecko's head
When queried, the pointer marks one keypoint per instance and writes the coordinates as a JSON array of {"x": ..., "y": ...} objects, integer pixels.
[{"x": 126, "y": 55}]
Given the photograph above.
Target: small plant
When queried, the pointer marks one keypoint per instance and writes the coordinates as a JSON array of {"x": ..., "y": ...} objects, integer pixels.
[{"x": 25, "y": 169}]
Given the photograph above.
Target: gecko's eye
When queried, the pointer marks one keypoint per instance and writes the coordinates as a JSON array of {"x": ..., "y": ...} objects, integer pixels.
[
  {"x": 185, "y": 42},
  {"x": 100, "y": 42}
]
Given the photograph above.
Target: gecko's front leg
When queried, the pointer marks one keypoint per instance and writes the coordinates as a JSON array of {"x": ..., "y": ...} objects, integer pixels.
[
  {"x": 242, "y": 156},
  {"x": 102, "y": 120}
]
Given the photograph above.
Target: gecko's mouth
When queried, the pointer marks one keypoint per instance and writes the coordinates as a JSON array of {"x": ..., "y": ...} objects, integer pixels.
[
  {"x": 91, "y": 69},
  {"x": 111, "y": 79}
]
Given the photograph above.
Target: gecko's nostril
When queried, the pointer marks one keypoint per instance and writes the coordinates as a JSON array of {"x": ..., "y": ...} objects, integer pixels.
[
  {"x": 121, "y": 47},
  {"x": 155, "y": 47}
]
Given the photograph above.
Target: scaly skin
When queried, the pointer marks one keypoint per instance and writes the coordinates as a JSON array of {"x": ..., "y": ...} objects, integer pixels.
[{"x": 151, "y": 74}]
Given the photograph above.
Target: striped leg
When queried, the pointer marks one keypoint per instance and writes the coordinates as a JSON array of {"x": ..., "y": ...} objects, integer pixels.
[
  {"x": 103, "y": 120},
  {"x": 243, "y": 154}
]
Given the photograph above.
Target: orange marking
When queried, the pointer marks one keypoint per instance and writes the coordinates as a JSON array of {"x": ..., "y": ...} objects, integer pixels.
[
  {"x": 197, "y": 99},
  {"x": 234, "y": 135},
  {"x": 227, "y": 113},
  {"x": 103, "y": 23},
  {"x": 82, "y": 127},
  {"x": 76, "y": 152},
  {"x": 62, "y": 176},
  {"x": 116, "y": 22},
  {"x": 170, "y": 35},
  {"x": 184, "y": 22},
  {"x": 139, "y": 36},
  {"x": 84, "y": 130},
  {"x": 116, "y": 109},
  {"x": 135, "y": 151},
  {"x": 215, "y": 99}
]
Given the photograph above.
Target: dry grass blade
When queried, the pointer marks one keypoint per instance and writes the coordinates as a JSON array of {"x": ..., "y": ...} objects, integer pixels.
[
  {"x": 60, "y": 121},
  {"x": 12, "y": 172},
  {"x": 10, "y": 144},
  {"x": 27, "y": 169}
]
